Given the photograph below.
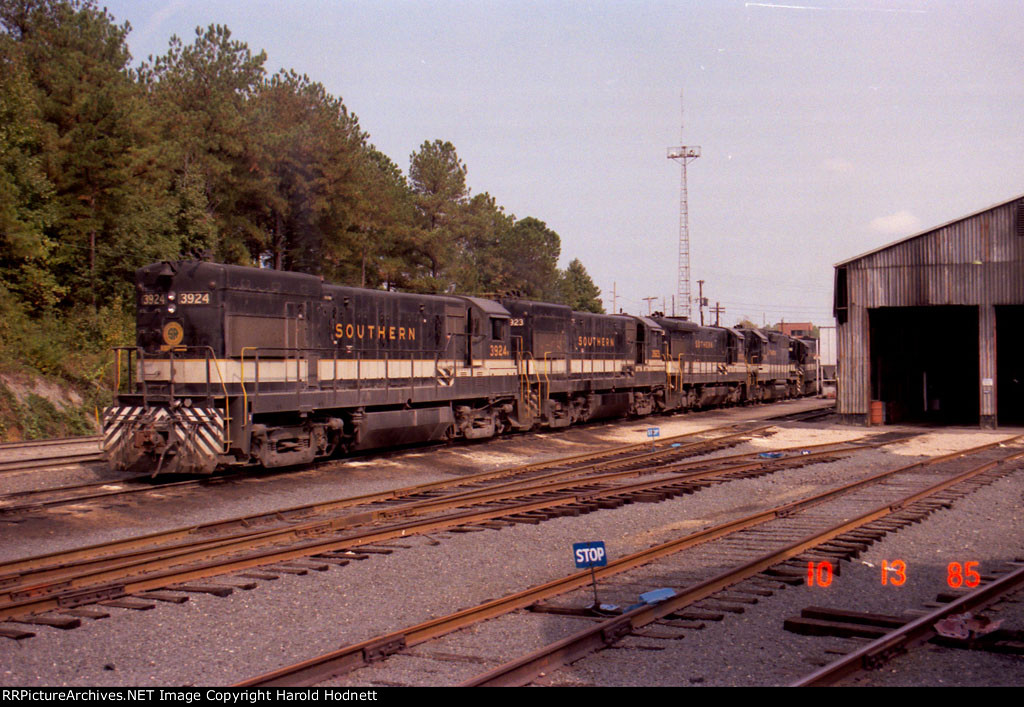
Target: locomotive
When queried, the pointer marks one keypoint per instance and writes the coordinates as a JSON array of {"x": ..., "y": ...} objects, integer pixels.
[{"x": 239, "y": 365}]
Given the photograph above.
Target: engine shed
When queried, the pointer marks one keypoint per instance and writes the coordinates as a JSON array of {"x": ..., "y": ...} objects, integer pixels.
[{"x": 931, "y": 327}]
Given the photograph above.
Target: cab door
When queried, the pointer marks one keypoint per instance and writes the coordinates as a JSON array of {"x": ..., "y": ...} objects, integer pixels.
[
  {"x": 456, "y": 333},
  {"x": 297, "y": 344}
]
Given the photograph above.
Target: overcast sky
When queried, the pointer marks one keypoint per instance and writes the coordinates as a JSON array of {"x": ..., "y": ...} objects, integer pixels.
[{"x": 827, "y": 128}]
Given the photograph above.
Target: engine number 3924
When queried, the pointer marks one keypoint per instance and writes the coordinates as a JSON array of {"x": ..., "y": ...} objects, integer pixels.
[{"x": 194, "y": 298}]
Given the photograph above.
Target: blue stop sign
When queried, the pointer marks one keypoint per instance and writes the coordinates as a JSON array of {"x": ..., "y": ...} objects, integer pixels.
[{"x": 590, "y": 554}]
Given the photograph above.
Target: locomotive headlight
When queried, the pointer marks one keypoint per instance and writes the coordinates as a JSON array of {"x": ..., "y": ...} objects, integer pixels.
[
  {"x": 170, "y": 296},
  {"x": 171, "y": 309}
]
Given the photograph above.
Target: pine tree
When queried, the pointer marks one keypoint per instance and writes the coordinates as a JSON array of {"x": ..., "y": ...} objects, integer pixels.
[
  {"x": 437, "y": 178},
  {"x": 579, "y": 291},
  {"x": 85, "y": 104}
]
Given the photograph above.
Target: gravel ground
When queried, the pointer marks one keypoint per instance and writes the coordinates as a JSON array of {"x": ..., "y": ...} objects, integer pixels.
[
  {"x": 215, "y": 641},
  {"x": 84, "y": 524},
  {"x": 55, "y": 477},
  {"x": 752, "y": 648}
]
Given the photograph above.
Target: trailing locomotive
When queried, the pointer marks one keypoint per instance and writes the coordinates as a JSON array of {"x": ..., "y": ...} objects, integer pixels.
[{"x": 235, "y": 365}]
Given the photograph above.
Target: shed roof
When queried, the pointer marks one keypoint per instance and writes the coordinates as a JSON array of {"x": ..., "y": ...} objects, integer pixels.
[{"x": 920, "y": 234}]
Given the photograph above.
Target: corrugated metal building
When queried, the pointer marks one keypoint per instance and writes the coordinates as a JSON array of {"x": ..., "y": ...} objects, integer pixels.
[{"x": 931, "y": 328}]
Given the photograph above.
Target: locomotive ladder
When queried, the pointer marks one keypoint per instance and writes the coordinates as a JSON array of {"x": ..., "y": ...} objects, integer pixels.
[{"x": 529, "y": 390}]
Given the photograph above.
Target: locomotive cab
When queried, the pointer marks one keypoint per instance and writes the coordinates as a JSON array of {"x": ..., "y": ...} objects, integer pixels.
[
  {"x": 648, "y": 340},
  {"x": 488, "y": 335}
]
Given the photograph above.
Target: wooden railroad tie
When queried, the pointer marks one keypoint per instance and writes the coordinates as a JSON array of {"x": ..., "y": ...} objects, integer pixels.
[{"x": 820, "y": 621}]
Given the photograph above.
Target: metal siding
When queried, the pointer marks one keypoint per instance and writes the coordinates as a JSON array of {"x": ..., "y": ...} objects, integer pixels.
[
  {"x": 978, "y": 260},
  {"x": 853, "y": 375},
  {"x": 987, "y": 359}
]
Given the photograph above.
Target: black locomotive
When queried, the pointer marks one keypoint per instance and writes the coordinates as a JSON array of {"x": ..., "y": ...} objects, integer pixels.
[{"x": 237, "y": 365}]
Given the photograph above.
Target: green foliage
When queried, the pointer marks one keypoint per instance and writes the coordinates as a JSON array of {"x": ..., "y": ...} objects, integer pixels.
[
  {"x": 26, "y": 206},
  {"x": 90, "y": 211},
  {"x": 199, "y": 153},
  {"x": 71, "y": 347},
  {"x": 479, "y": 235},
  {"x": 71, "y": 352},
  {"x": 381, "y": 248},
  {"x": 323, "y": 180},
  {"x": 205, "y": 121},
  {"x": 579, "y": 291},
  {"x": 437, "y": 178},
  {"x": 530, "y": 254}
]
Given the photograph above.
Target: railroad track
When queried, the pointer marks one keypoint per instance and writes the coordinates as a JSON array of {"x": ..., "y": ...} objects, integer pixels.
[
  {"x": 805, "y": 415},
  {"x": 914, "y": 633},
  {"x": 567, "y": 486},
  {"x": 34, "y": 500},
  {"x": 48, "y": 453},
  {"x": 798, "y": 532},
  {"x": 53, "y": 442}
]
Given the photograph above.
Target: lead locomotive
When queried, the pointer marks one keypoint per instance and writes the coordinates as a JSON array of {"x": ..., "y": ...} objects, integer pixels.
[{"x": 237, "y": 365}]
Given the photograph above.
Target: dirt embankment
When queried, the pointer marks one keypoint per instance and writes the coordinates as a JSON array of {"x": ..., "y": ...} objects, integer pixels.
[{"x": 33, "y": 407}]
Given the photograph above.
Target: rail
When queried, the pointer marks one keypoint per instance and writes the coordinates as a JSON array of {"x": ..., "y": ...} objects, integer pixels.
[{"x": 319, "y": 668}]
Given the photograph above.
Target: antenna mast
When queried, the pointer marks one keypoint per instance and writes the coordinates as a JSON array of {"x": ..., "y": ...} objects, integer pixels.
[{"x": 683, "y": 155}]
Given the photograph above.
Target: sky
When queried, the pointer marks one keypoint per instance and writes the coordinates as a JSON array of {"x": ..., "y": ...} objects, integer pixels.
[{"x": 827, "y": 128}]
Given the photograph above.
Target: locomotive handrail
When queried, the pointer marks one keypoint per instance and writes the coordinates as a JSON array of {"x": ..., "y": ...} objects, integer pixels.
[
  {"x": 245, "y": 394},
  {"x": 547, "y": 380},
  {"x": 117, "y": 373},
  {"x": 224, "y": 389},
  {"x": 358, "y": 357},
  {"x": 117, "y": 370},
  {"x": 542, "y": 393}
]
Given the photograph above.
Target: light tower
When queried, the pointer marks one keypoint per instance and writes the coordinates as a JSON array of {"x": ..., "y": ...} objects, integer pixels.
[{"x": 683, "y": 155}]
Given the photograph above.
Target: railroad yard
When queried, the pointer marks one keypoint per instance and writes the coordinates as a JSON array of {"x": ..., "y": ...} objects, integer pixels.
[
  {"x": 453, "y": 565},
  {"x": 470, "y": 418}
]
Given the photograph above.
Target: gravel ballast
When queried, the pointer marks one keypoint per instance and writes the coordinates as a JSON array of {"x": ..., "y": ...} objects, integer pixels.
[{"x": 213, "y": 640}]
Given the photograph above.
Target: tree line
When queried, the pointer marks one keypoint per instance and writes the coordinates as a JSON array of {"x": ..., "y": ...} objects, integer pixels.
[{"x": 200, "y": 153}]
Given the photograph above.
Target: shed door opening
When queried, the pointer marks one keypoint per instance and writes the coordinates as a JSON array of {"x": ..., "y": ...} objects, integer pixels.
[
  {"x": 1010, "y": 365},
  {"x": 924, "y": 363}
]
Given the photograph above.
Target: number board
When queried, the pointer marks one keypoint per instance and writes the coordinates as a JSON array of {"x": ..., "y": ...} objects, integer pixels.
[
  {"x": 194, "y": 298},
  {"x": 590, "y": 554}
]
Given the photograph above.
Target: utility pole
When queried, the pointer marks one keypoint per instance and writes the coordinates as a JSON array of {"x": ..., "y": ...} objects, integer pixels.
[
  {"x": 615, "y": 298},
  {"x": 718, "y": 310},
  {"x": 648, "y": 300},
  {"x": 700, "y": 300},
  {"x": 683, "y": 155}
]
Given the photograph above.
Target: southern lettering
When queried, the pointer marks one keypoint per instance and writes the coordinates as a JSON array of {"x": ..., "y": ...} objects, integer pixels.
[
  {"x": 374, "y": 331},
  {"x": 589, "y": 342}
]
